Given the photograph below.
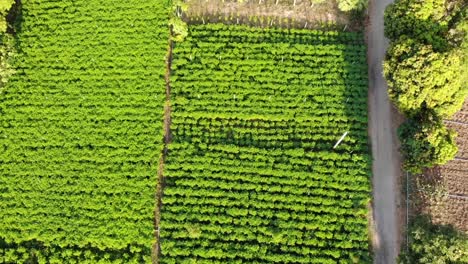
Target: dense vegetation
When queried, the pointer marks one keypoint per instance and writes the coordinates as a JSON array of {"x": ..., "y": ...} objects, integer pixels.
[
  {"x": 7, "y": 48},
  {"x": 426, "y": 68},
  {"x": 5, "y": 6},
  {"x": 351, "y": 5},
  {"x": 81, "y": 132},
  {"x": 435, "y": 244},
  {"x": 252, "y": 175}
]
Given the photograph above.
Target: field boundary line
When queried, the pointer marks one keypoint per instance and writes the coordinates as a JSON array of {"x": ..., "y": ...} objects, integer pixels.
[
  {"x": 456, "y": 122},
  {"x": 162, "y": 159}
]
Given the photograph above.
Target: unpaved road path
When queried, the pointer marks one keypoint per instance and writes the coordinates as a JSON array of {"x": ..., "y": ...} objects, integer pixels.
[{"x": 382, "y": 129}]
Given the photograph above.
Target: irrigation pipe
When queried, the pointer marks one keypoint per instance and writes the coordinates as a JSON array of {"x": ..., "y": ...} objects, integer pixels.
[
  {"x": 457, "y": 196},
  {"x": 456, "y": 122}
]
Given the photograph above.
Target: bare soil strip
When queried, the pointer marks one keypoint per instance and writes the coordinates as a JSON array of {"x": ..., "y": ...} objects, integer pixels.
[
  {"x": 162, "y": 158},
  {"x": 270, "y": 13}
]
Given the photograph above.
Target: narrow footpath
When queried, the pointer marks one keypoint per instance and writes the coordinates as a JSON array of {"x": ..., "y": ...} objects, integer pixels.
[
  {"x": 386, "y": 169},
  {"x": 162, "y": 159}
]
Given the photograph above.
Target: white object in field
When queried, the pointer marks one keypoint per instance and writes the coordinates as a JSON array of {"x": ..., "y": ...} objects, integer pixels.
[{"x": 341, "y": 139}]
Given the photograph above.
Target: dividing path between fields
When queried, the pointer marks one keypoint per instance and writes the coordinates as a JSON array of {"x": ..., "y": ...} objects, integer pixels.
[{"x": 386, "y": 169}]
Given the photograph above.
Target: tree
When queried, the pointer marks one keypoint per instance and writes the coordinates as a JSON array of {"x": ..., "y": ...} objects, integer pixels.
[
  {"x": 426, "y": 142},
  {"x": 435, "y": 244},
  {"x": 349, "y": 5},
  {"x": 430, "y": 22},
  {"x": 419, "y": 78}
]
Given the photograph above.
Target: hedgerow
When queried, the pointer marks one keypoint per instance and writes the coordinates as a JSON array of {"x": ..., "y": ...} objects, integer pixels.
[{"x": 426, "y": 69}]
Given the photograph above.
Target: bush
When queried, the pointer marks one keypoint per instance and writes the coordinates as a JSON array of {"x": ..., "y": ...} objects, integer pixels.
[
  {"x": 7, "y": 52},
  {"x": 426, "y": 142},
  {"x": 419, "y": 78},
  {"x": 349, "y": 5},
  {"x": 5, "y": 6},
  {"x": 435, "y": 244},
  {"x": 179, "y": 29}
]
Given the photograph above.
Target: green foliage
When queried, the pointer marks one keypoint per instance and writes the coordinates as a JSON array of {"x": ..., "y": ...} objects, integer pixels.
[
  {"x": 435, "y": 244},
  {"x": 426, "y": 70},
  {"x": 5, "y": 6},
  {"x": 459, "y": 37},
  {"x": 6, "y": 44},
  {"x": 422, "y": 20},
  {"x": 179, "y": 29},
  {"x": 351, "y": 5},
  {"x": 425, "y": 143},
  {"x": 81, "y": 130},
  {"x": 251, "y": 174},
  {"x": 433, "y": 22},
  {"x": 7, "y": 54},
  {"x": 419, "y": 78}
]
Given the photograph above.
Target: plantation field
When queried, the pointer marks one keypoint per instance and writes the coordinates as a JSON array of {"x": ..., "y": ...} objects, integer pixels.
[
  {"x": 81, "y": 132},
  {"x": 251, "y": 173}
]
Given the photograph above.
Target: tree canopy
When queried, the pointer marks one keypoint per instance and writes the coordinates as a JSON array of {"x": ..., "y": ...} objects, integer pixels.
[
  {"x": 420, "y": 78},
  {"x": 426, "y": 142},
  {"x": 430, "y": 22}
]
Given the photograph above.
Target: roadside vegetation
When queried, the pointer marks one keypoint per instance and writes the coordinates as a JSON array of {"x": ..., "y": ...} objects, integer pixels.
[
  {"x": 426, "y": 69},
  {"x": 435, "y": 244}
]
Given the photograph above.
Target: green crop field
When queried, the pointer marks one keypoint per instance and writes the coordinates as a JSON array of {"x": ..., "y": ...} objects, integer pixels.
[
  {"x": 81, "y": 132},
  {"x": 252, "y": 175},
  {"x": 250, "y": 167}
]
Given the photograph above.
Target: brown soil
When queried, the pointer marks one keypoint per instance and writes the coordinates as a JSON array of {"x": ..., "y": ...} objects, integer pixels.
[
  {"x": 271, "y": 13},
  {"x": 442, "y": 192}
]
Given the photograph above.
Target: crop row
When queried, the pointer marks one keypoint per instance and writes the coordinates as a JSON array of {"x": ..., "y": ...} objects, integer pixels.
[
  {"x": 251, "y": 175},
  {"x": 81, "y": 132}
]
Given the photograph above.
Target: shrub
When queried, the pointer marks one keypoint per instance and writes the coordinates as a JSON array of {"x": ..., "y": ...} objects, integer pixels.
[
  {"x": 349, "y": 5},
  {"x": 426, "y": 142},
  {"x": 435, "y": 244},
  {"x": 5, "y": 5}
]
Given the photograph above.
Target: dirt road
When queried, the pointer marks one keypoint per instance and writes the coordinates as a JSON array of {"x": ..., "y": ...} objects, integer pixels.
[{"x": 382, "y": 129}]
